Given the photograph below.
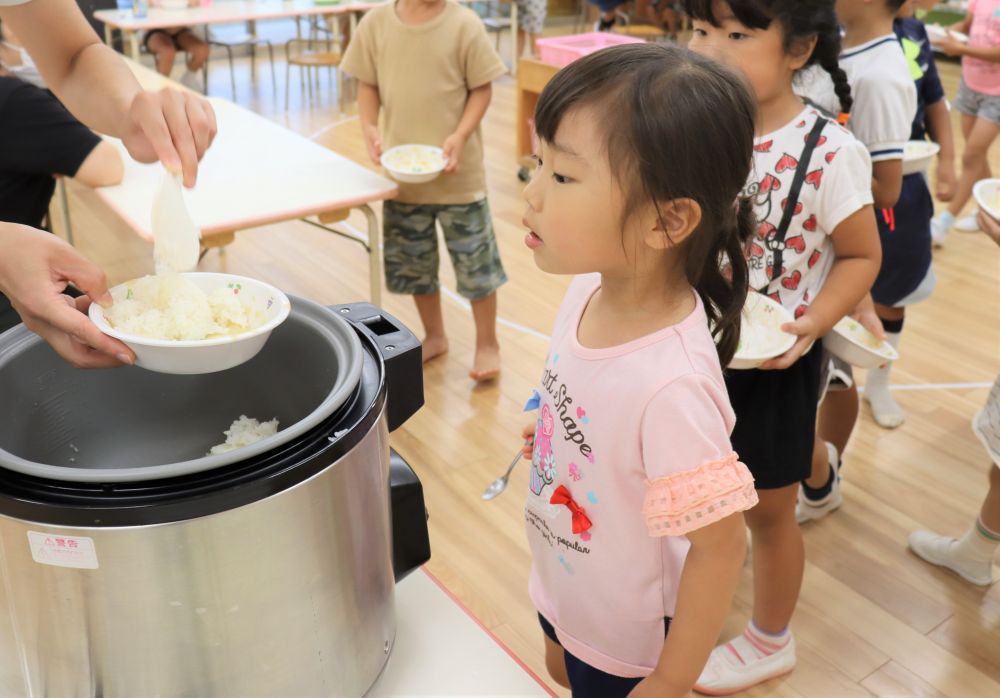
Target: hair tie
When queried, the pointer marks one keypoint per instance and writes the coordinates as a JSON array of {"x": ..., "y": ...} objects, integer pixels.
[{"x": 842, "y": 118}]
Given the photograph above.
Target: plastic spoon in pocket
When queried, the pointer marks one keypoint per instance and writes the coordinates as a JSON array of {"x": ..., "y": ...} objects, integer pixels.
[{"x": 176, "y": 239}]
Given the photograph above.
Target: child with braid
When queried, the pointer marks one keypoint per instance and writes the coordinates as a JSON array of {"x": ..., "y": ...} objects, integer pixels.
[
  {"x": 816, "y": 252},
  {"x": 885, "y": 104}
]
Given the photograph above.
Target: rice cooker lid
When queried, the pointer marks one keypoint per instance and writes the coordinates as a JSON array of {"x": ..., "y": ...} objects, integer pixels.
[{"x": 312, "y": 364}]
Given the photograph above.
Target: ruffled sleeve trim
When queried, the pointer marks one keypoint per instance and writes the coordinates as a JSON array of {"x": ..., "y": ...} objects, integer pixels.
[{"x": 684, "y": 502}]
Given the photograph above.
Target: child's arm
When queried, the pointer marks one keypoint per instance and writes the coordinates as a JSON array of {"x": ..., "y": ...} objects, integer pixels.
[
  {"x": 887, "y": 182},
  {"x": 858, "y": 255},
  {"x": 939, "y": 129},
  {"x": 963, "y": 25},
  {"x": 951, "y": 46},
  {"x": 711, "y": 572},
  {"x": 475, "y": 109},
  {"x": 369, "y": 104}
]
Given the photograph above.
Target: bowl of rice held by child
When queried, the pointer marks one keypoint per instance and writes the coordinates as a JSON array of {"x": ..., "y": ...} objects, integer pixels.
[
  {"x": 917, "y": 156},
  {"x": 193, "y": 322},
  {"x": 414, "y": 163},
  {"x": 851, "y": 342},
  {"x": 987, "y": 193},
  {"x": 761, "y": 336}
]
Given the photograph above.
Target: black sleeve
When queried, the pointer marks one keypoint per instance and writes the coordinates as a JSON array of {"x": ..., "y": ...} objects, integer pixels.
[{"x": 38, "y": 135}]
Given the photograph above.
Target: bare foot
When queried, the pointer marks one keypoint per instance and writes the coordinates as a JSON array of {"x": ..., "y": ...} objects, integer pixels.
[
  {"x": 434, "y": 346},
  {"x": 486, "y": 365}
]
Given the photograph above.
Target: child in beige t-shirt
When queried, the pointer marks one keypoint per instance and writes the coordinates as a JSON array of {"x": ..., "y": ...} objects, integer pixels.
[{"x": 427, "y": 66}]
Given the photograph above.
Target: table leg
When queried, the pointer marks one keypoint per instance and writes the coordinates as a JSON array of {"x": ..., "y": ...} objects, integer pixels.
[
  {"x": 64, "y": 209},
  {"x": 108, "y": 35},
  {"x": 133, "y": 44},
  {"x": 513, "y": 39},
  {"x": 252, "y": 31},
  {"x": 373, "y": 245},
  {"x": 374, "y": 254}
]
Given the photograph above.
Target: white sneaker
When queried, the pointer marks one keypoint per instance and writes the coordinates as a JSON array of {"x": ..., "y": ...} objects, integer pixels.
[
  {"x": 938, "y": 232},
  {"x": 737, "y": 665},
  {"x": 813, "y": 510},
  {"x": 968, "y": 224},
  {"x": 193, "y": 81},
  {"x": 937, "y": 550}
]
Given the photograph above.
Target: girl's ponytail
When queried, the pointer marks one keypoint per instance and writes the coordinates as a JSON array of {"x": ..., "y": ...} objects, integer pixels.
[
  {"x": 827, "y": 55},
  {"x": 723, "y": 286}
]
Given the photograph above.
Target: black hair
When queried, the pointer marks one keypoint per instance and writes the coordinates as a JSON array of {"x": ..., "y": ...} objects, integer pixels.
[
  {"x": 674, "y": 125},
  {"x": 894, "y": 5},
  {"x": 799, "y": 19}
]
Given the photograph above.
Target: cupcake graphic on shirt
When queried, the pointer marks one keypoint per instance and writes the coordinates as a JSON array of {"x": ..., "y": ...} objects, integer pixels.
[{"x": 543, "y": 460}]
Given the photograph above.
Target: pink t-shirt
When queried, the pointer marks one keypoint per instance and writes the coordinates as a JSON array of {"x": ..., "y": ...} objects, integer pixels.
[
  {"x": 983, "y": 76},
  {"x": 634, "y": 440}
]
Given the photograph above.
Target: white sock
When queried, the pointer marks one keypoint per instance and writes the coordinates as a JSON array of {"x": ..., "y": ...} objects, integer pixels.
[
  {"x": 946, "y": 219},
  {"x": 885, "y": 409},
  {"x": 978, "y": 544}
]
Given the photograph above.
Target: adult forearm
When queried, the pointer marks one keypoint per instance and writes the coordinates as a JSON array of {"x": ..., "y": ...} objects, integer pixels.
[
  {"x": 98, "y": 69},
  {"x": 92, "y": 81}
]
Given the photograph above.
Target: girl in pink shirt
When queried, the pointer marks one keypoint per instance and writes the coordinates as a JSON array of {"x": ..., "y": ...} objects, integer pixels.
[
  {"x": 635, "y": 496},
  {"x": 978, "y": 100}
]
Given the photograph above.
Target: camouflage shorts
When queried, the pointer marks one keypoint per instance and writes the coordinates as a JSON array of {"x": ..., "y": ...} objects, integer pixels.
[{"x": 411, "y": 248}]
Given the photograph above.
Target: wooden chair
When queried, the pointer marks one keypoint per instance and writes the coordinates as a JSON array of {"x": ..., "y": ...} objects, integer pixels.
[{"x": 307, "y": 54}]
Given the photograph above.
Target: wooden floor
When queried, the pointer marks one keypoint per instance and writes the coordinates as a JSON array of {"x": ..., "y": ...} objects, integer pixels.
[{"x": 873, "y": 619}]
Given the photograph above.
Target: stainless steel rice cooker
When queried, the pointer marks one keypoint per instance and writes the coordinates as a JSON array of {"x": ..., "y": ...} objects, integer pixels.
[{"x": 133, "y": 564}]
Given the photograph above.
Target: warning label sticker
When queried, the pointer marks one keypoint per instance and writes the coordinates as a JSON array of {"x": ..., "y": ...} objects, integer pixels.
[{"x": 63, "y": 551}]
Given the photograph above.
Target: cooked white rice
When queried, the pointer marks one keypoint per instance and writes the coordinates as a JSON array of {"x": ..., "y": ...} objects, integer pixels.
[
  {"x": 243, "y": 432},
  {"x": 172, "y": 307}
]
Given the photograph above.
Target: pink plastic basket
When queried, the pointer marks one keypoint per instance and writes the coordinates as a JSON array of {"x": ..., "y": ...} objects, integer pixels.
[{"x": 563, "y": 50}]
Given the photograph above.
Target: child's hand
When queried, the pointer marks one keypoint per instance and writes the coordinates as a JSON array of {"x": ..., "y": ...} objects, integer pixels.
[
  {"x": 865, "y": 314},
  {"x": 807, "y": 331},
  {"x": 989, "y": 225},
  {"x": 453, "y": 147},
  {"x": 950, "y": 46},
  {"x": 945, "y": 181},
  {"x": 374, "y": 142},
  {"x": 528, "y": 434}
]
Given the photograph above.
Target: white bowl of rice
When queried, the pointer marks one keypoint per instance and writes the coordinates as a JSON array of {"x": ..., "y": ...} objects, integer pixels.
[
  {"x": 917, "y": 156},
  {"x": 195, "y": 322},
  {"x": 761, "y": 336},
  {"x": 414, "y": 163},
  {"x": 851, "y": 342},
  {"x": 987, "y": 193}
]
